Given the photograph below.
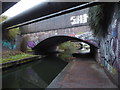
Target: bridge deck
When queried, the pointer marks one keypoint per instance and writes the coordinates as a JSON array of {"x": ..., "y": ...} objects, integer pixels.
[{"x": 82, "y": 74}]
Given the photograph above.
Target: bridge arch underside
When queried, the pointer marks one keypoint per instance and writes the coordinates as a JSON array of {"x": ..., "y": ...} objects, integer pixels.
[{"x": 48, "y": 46}]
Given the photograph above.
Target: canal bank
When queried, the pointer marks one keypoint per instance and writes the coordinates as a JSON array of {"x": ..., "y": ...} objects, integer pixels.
[
  {"x": 10, "y": 64},
  {"x": 13, "y": 58},
  {"x": 52, "y": 72}
]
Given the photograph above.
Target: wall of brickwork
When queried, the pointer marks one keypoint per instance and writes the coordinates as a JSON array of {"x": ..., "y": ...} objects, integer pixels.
[
  {"x": 34, "y": 38},
  {"x": 110, "y": 47},
  {"x": 73, "y": 19}
]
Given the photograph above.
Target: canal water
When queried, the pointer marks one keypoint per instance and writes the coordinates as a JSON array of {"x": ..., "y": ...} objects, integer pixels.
[{"x": 37, "y": 74}]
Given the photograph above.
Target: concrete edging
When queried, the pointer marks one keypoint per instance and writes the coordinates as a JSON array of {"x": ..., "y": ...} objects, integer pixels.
[
  {"x": 58, "y": 77},
  {"x": 18, "y": 62}
]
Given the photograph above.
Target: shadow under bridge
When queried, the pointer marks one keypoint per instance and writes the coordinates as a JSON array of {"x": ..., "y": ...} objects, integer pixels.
[{"x": 48, "y": 45}]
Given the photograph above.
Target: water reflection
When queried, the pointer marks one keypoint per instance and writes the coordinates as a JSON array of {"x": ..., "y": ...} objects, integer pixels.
[
  {"x": 36, "y": 74},
  {"x": 30, "y": 76},
  {"x": 69, "y": 51}
]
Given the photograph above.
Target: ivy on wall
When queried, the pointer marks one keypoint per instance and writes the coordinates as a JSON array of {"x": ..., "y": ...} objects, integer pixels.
[
  {"x": 3, "y": 18},
  {"x": 9, "y": 34},
  {"x": 100, "y": 18}
]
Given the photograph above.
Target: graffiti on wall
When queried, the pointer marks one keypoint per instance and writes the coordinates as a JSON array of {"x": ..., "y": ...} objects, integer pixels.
[
  {"x": 35, "y": 38},
  {"x": 31, "y": 44},
  {"x": 32, "y": 41},
  {"x": 78, "y": 19},
  {"x": 8, "y": 45},
  {"x": 88, "y": 36},
  {"x": 110, "y": 46}
]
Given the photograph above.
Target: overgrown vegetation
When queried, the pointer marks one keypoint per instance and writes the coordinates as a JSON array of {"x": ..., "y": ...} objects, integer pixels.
[
  {"x": 68, "y": 46},
  {"x": 67, "y": 49},
  {"x": 11, "y": 34},
  {"x": 7, "y": 54},
  {"x": 3, "y": 18},
  {"x": 13, "y": 56},
  {"x": 100, "y": 18}
]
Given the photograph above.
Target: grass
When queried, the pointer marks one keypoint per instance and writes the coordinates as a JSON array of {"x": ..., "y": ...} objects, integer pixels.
[{"x": 15, "y": 57}]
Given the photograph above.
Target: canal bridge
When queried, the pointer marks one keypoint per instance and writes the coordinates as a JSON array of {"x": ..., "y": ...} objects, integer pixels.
[
  {"x": 50, "y": 16},
  {"x": 44, "y": 36},
  {"x": 53, "y": 26},
  {"x": 49, "y": 44},
  {"x": 46, "y": 42}
]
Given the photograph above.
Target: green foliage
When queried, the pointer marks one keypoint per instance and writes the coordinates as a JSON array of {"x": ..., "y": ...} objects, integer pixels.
[
  {"x": 7, "y": 54},
  {"x": 4, "y": 32},
  {"x": 3, "y": 18},
  {"x": 65, "y": 56},
  {"x": 67, "y": 49},
  {"x": 114, "y": 71},
  {"x": 80, "y": 32},
  {"x": 13, "y": 33},
  {"x": 96, "y": 18},
  {"x": 100, "y": 18},
  {"x": 15, "y": 58}
]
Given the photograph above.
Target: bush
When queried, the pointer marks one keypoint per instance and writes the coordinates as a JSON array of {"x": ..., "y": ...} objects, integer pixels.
[
  {"x": 67, "y": 49},
  {"x": 7, "y": 54},
  {"x": 13, "y": 33}
]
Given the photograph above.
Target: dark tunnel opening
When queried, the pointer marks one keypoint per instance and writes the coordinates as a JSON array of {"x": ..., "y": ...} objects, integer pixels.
[{"x": 48, "y": 47}]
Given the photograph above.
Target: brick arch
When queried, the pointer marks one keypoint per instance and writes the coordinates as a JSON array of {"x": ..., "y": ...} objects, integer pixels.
[{"x": 50, "y": 43}]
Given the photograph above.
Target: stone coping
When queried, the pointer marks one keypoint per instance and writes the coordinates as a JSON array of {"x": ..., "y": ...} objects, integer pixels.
[{"x": 18, "y": 62}]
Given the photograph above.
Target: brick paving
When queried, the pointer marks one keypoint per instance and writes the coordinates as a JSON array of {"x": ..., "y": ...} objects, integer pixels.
[{"x": 82, "y": 74}]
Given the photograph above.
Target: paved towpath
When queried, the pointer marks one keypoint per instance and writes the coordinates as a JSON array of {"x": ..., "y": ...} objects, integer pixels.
[{"x": 82, "y": 74}]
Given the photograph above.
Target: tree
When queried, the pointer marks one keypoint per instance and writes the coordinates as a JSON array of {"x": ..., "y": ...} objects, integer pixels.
[
  {"x": 3, "y": 18},
  {"x": 9, "y": 35},
  {"x": 67, "y": 48},
  {"x": 13, "y": 33}
]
